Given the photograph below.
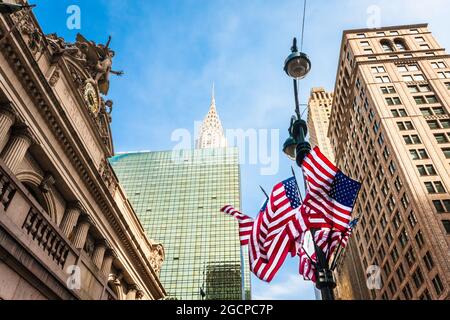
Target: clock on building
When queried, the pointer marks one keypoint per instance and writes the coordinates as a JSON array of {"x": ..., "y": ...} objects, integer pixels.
[{"x": 91, "y": 97}]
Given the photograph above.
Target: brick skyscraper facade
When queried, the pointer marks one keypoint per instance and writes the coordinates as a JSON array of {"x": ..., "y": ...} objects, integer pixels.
[{"x": 390, "y": 129}]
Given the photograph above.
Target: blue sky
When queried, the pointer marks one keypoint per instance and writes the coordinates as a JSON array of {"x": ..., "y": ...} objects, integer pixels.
[{"x": 173, "y": 50}]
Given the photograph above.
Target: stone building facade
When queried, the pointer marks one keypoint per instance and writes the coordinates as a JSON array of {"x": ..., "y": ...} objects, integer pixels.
[
  {"x": 67, "y": 230},
  {"x": 319, "y": 112},
  {"x": 390, "y": 129}
]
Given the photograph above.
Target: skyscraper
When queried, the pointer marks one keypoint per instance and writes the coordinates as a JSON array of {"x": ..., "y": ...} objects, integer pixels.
[
  {"x": 178, "y": 196},
  {"x": 319, "y": 111},
  {"x": 390, "y": 129}
]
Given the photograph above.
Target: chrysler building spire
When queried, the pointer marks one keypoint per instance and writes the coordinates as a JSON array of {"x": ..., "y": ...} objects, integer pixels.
[{"x": 211, "y": 131}]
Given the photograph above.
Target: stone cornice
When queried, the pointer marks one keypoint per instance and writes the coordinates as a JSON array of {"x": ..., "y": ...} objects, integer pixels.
[{"x": 36, "y": 84}]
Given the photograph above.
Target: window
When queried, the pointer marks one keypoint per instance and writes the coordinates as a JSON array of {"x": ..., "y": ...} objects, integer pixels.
[
  {"x": 426, "y": 170},
  {"x": 404, "y": 126},
  {"x": 442, "y": 206},
  {"x": 361, "y": 35},
  {"x": 441, "y": 138},
  {"x": 446, "y": 152},
  {"x": 403, "y": 238},
  {"x": 400, "y": 273},
  {"x": 388, "y": 90},
  {"x": 407, "y": 78},
  {"x": 438, "y": 286},
  {"x": 431, "y": 99},
  {"x": 420, "y": 39},
  {"x": 419, "y": 239},
  {"x": 432, "y": 111},
  {"x": 419, "y": 154},
  {"x": 412, "y": 219},
  {"x": 386, "y": 46},
  {"x": 444, "y": 75},
  {"x": 365, "y": 44},
  {"x": 368, "y": 51},
  {"x": 393, "y": 101},
  {"x": 439, "y": 111},
  {"x": 410, "y": 257},
  {"x": 414, "y": 31},
  {"x": 435, "y": 187},
  {"x": 433, "y": 124},
  {"x": 406, "y": 68},
  {"x": 420, "y": 100},
  {"x": 445, "y": 123},
  {"x": 398, "y": 113},
  {"x": 419, "y": 88},
  {"x": 394, "y": 255},
  {"x": 438, "y": 65},
  {"x": 419, "y": 77},
  {"x": 447, "y": 84},
  {"x": 446, "y": 224},
  {"x": 407, "y": 292},
  {"x": 425, "y": 295},
  {"x": 413, "y": 139},
  {"x": 428, "y": 261},
  {"x": 384, "y": 79},
  {"x": 378, "y": 69},
  {"x": 424, "y": 47},
  {"x": 418, "y": 278}
]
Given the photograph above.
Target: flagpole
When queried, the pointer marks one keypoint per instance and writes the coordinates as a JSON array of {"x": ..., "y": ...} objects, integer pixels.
[{"x": 297, "y": 147}]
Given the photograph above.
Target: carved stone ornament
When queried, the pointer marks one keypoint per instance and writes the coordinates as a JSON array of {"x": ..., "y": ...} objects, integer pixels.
[
  {"x": 157, "y": 257},
  {"x": 47, "y": 183},
  {"x": 54, "y": 77},
  {"x": 107, "y": 175},
  {"x": 33, "y": 36},
  {"x": 96, "y": 59}
]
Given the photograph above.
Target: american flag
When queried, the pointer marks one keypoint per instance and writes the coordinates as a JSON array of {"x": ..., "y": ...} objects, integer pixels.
[
  {"x": 274, "y": 232},
  {"x": 307, "y": 268},
  {"x": 331, "y": 194},
  {"x": 245, "y": 223},
  {"x": 328, "y": 241}
]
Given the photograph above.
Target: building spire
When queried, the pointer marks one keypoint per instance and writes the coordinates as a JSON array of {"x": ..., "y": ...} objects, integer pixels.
[
  {"x": 211, "y": 131},
  {"x": 213, "y": 95}
]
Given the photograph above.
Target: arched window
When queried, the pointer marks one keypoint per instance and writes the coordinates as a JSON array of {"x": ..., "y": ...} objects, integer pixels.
[
  {"x": 386, "y": 45},
  {"x": 400, "y": 45}
]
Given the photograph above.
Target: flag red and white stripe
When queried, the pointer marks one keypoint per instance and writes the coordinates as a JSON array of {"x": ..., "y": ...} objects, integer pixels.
[
  {"x": 320, "y": 173},
  {"x": 245, "y": 223},
  {"x": 273, "y": 234}
]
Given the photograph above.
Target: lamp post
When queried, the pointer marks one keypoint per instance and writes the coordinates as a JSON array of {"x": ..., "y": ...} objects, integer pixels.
[
  {"x": 297, "y": 66},
  {"x": 11, "y": 8}
]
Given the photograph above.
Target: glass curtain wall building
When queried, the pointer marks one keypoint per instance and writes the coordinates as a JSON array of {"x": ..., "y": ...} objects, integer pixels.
[{"x": 178, "y": 196}]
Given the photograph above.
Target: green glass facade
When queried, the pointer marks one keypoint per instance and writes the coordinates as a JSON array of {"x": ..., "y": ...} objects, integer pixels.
[{"x": 177, "y": 196}]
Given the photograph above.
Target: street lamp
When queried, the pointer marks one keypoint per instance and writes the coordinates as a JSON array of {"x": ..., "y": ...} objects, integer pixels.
[{"x": 297, "y": 66}]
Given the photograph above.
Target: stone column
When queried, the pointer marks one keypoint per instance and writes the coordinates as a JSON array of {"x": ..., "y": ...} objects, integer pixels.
[
  {"x": 7, "y": 118},
  {"x": 70, "y": 218},
  {"x": 132, "y": 291},
  {"x": 16, "y": 148},
  {"x": 99, "y": 252},
  {"x": 81, "y": 231},
  {"x": 108, "y": 260}
]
